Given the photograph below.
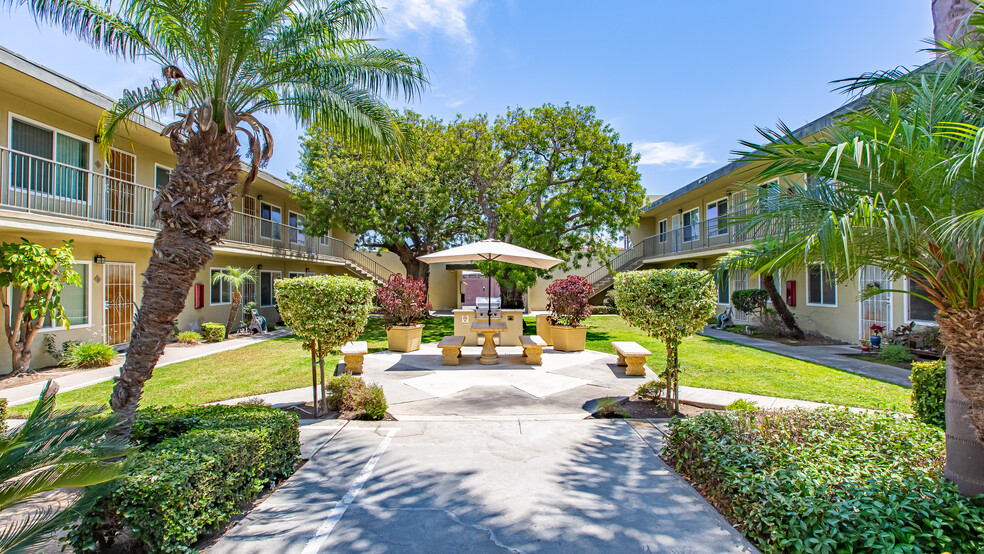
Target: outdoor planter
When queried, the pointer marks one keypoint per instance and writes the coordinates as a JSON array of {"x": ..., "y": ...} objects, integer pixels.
[
  {"x": 404, "y": 338},
  {"x": 543, "y": 328},
  {"x": 568, "y": 339},
  {"x": 875, "y": 341}
]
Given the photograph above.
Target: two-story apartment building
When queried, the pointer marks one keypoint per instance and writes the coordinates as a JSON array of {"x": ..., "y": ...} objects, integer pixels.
[
  {"x": 687, "y": 226},
  {"x": 55, "y": 186}
]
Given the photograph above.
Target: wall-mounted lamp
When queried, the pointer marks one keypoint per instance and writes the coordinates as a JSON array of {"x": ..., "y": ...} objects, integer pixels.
[
  {"x": 307, "y": 270},
  {"x": 259, "y": 267},
  {"x": 97, "y": 138},
  {"x": 680, "y": 211},
  {"x": 99, "y": 259},
  {"x": 259, "y": 197},
  {"x": 729, "y": 194}
]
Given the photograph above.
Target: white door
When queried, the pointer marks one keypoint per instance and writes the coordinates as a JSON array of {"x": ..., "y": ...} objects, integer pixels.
[
  {"x": 739, "y": 281},
  {"x": 119, "y": 295},
  {"x": 876, "y": 309},
  {"x": 675, "y": 232}
]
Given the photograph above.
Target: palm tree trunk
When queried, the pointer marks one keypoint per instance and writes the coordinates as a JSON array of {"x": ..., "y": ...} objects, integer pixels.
[
  {"x": 788, "y": 319},
  {"x": 963, "y": 334},
  {"x": 949, "y": 17},
  {"x": 237, "y": 300},
  {"x": 195, "y": 209}
]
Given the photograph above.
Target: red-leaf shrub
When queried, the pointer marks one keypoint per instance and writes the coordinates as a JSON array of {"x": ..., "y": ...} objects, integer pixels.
[
  {"x": 568, "y": 300},
  {"x": 403, "y": 300}
]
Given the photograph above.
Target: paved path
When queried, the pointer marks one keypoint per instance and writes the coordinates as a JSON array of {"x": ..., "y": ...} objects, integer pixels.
[
  {"x": 172, "y": 354},
  {"x": 828, "y": 355},
  {"x": 513, "y": 486}
]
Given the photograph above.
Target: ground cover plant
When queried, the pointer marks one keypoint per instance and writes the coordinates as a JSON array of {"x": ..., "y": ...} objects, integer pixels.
[
  {"x": 196, "y": 469},
  {"x": 348, "y": 393},
  {"x": 84, "y": 355},
  {"x": 828, "y": 481},
  {"x": 189, "y": 337}
]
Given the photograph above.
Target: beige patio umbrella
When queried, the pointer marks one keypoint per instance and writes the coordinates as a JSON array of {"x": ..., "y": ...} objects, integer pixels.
[{"x": 492, "y": 250}]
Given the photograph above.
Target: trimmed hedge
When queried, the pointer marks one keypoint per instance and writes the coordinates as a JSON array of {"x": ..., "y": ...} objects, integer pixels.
[
  {"x": 828, "y": 481},
  {"x": 213, "y": 332},
  {"x": 929, "y": 392},
  {"x": 198, "y": 467}
]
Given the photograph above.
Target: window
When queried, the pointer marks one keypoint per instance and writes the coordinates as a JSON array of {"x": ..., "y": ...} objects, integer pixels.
[
  {"x": 821, "y": 287},
  {"x": 691, "y": 230},
  {"x": 162, "y": 176},
  {"x": 662, "y": 230},
  {"x": 294, "y": 274},
  {"x": 267, "y": 279},
  {"x": 75, "y": 300},
  {"x": 296, "y": 223},
  {"x": 715, "y": 210},
  {"x": 271, "y": 217},
  {"x": 51, "y": 162},
  {"x": 919, "y": 309},
  {"x": 723, "y": 284},
  {"x": 221, "y": 289}
]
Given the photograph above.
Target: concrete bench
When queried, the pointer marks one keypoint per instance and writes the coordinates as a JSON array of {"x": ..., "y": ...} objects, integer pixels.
[
  {"x": 355, "y": 353},
  {"x": 532, "y": 348},
  {"x": 451, "y": 348},
  {"x": 633, "y": 356}
]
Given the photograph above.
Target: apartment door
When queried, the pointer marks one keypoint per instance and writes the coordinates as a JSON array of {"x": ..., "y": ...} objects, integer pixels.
[
  {"x": 876, "y": 310},
  {"x": 119, "y": 294},
  {"x": 739, "y": 281},
  {"x": 675, "y": 232},
  {"x": 250, "y": 222},
  {"x": 120, "y": 189}
]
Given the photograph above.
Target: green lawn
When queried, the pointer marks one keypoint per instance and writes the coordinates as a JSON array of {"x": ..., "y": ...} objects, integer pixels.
[{"x": 282, "y": 364}]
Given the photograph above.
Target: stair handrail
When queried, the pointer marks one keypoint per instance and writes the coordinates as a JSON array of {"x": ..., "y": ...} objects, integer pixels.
[
  {"x": 366, "y": 263},
  {"x": 616, "y": 264}
]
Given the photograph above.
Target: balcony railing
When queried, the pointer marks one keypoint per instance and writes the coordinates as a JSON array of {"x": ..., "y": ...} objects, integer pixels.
[
  {"x": 34, "y": 184},
  {"x": 706, "y": 235}
]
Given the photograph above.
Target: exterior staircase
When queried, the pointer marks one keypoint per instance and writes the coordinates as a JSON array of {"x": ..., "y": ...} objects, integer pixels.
[
  {"x": 604, "y": 277},
  {"x": 364, "y": 266}
]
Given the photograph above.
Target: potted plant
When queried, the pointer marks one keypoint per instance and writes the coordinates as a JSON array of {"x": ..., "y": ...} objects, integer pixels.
[
  {"x": 875, "y": 338},
  {"x": 865, "y": 345},
  {"x": 403, "y": 304},
  {"x": 568, "y": 305}
]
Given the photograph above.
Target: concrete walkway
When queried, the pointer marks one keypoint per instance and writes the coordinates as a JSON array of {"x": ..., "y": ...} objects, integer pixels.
[
  {"x": 828, "y": 355},
  {"x": 173, "y": 353},
  {"x": 542, "y": 486}
]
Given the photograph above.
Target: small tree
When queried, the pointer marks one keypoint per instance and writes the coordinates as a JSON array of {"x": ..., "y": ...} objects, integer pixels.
[
  {"x": 235, "y": 277},
  {"x": 326, "y": 311},
  {"x": 751, "y": 301},
  {"x": 668, "y": 304},
  {"x": 403, "y": 300},
  {"x": 568, "y": 300},
  {"x": 38, "y": 274}
]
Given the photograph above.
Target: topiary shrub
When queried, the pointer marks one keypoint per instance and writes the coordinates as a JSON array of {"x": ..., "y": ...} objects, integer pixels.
[
  {"x": 827, "y": 481},
  {"x": 84, "y": 355},
  {"x": 402, "y": 301},
  {"x": 196, "y": 469},
  {"x": 567, "y": 300},
  {"x": 896, "y": 354},
  {"x": 750, "y": 301},
  {"x": 668, "y": 304},
  {"x": 929, "y": 392},
  {"x": 213, "y": 332},
  {"x": 189, "y": 337}
]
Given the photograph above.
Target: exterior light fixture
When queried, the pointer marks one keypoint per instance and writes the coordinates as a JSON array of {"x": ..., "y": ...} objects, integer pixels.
[
  {"x": 729, "y": 194},
  {"x": 259, "y": 197},
  {"x": 307, "y": 270},
  {"x": 259, "y": 267},
  {"x": 99, "y": 259},
  {"x": 680, "y": 210}
]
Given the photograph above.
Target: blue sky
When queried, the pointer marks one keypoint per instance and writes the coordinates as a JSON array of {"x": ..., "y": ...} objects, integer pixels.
[{"x": 682, "y": 81}]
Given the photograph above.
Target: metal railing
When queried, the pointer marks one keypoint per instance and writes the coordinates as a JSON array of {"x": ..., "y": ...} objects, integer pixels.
[{"x": 33, "y": 184}]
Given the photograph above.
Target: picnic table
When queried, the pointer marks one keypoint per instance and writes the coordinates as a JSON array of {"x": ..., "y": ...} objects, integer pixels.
[{"x": 489, "y": 354}]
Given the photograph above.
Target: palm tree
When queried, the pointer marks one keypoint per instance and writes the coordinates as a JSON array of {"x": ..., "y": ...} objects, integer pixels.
[
  {"x": 225, "y": 62},
  {"x": 897, "y": 185},
  {"x": 235, "y": 277},
  {"x": 53, "y": 450}
]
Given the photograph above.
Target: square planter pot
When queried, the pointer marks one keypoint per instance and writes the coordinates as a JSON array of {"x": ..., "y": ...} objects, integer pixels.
[
  {"x": 568, "y": 339},
  {"x": 543, "y": 328},
  {"x": 404, "y": 339}
]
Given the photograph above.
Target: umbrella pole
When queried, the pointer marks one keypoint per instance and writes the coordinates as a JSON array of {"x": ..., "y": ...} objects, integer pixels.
[{"x": 490, "y": 292}]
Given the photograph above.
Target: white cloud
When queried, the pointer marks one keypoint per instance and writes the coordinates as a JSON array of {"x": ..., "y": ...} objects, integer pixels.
[
  {"x": 445, "y": 16},
  {"x": 671, "y": 153}
]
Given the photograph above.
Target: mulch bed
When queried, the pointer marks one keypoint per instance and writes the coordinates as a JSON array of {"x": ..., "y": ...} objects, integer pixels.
[
  {"x": 639, "y": 408},
  {"x": 809, "y": 340}
]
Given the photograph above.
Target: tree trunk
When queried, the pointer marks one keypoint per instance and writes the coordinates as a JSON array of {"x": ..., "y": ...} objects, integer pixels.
[
  {"x": 963, "y": 334},
  {"x": 21, "y": 359},
  {"x": 195, "y": 209},
  {"x": 779, "y": 304},
  {"x": 512, "y": 298},
  {"x": 415, "y": 268},
  {"x": 949, "y": 17},
  {"x": 231, "y": 326}
]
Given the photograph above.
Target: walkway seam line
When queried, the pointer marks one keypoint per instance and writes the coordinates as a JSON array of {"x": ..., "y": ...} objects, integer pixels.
[{"x": 336, "y": 513}]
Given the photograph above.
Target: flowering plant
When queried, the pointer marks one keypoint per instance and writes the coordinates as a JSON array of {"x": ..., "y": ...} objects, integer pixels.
[
  {"x": 568, "y": 300},
  {"x": 877, "y": 329},
  {"x": 403, "y": 300}
]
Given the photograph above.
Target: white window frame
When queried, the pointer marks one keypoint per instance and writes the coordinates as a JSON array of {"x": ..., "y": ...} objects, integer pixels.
[
  {"x": 663, "y": 235},
  {"x": 222, "y": 284},
  {"x": 821, "y": 305},
  {"x": 164, "y": 167},
  {"x": 88, "y": 302},
  {"x": 271, "y": 221},
  {"x": 296, "y": 274},
  {"x": 694, "y": 227},
  {"x": 717, "y": 228},
  {"x": 294, "y": 232},
  {"x": 259, "y": 288},
  {"x": 717, "y": 297},
  {"x": 908, "y": 313},
  {"x": 11, "y": 116}
]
